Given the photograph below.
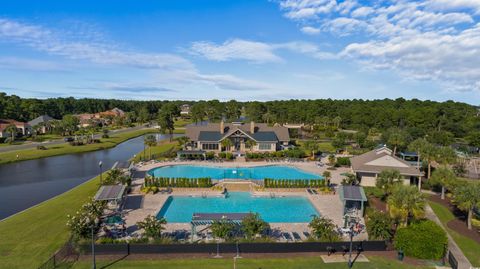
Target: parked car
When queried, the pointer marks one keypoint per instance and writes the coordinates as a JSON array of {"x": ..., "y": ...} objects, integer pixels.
[{"x": 68, "y": 139}]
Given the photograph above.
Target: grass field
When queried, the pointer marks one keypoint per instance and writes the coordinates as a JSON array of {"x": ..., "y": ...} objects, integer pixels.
[
  {"x": 470, "y": 247},
  {"x": 246, "y": 263},
  {"x": 155, "y": 150},
  {"x": 65, "y": 148},
  {"x": 29, "y": 238}
]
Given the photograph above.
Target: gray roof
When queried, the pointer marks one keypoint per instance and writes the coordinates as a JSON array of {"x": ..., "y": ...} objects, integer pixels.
[
  {"x": 361, "y": 163},
  {"x": 262, "y": 132},
  {"x": 43, "y": 118},
  {"x": 265, "y": 136},
  {"x": 352, "y": 193},
  {"x": 122, "y": 165},
  {"x": 209, "y": 136},
  {"x": 110, "y": 192}
]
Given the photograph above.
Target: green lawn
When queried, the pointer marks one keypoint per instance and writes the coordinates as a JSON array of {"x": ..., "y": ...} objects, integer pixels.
[
  {"x": 154, "y": 150},
  {"x": 244, "y": 263},
  {"x": 469, "y": 247},
  {"x": 65, "y": 148},
  {"x": 181, "y": 122},
  {"x": 29, "y": 238}
]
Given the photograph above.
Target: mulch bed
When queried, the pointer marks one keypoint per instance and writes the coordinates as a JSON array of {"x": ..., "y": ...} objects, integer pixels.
[
  {"x": 376, "y": 203},
  {"x": 459, "y": 224}
]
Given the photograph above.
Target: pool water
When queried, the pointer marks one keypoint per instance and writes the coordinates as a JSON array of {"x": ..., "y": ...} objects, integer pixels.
[
  {"x": 293, "y": 209},
  {"x": 255, "y": 173}
]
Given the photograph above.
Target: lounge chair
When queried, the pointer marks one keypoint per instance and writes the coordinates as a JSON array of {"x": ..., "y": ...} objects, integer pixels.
[
  {"x": 314, "y": 191},
  {"x": 306, "y": 234},
  {"x": 296, "y": 236},
  {"x": 309, "y": 191},
  {"x": 287, "y": 236}
]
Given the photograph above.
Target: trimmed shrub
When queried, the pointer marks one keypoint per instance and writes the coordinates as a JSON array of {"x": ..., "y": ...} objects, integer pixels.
[
  {"x": 343, "y": 161},
  {"x": 424, "y": 240},
  {"x": 379, "y": 225}
]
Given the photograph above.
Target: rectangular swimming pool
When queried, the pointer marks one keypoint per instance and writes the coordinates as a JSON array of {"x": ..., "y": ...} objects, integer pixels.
[
  {"x": 255, "y": 173},
  {"x": 293, "y": 209}
]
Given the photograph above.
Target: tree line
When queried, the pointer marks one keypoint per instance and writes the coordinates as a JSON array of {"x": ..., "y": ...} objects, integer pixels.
[{"x": 417, "y": 118}]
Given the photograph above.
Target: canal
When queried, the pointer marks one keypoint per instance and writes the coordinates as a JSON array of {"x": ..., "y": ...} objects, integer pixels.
[{"x": 27, "y": 183}]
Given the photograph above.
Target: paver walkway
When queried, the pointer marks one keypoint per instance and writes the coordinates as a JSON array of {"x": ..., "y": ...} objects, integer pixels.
[{"x": 463, "y": 262}]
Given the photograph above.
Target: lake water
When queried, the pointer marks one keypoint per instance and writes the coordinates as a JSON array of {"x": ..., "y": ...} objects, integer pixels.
[{"x": 27, "y": 183}]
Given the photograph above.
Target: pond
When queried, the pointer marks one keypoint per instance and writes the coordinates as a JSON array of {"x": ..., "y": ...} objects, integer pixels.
[{"x": 27, "y": 183}]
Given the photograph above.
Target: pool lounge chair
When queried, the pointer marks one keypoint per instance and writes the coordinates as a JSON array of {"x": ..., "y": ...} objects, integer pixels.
[
  {"x": 287, "y": 236},
  {"x": 296, "y": 236},
  {"x": 306, "y": 234}
]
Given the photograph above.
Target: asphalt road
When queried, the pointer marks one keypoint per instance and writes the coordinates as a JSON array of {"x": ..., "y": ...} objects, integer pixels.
[{"x": 30, "y": 145}]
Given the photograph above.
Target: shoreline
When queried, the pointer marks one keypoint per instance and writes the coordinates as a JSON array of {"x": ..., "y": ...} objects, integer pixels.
[{"x": 94, "y": 147}]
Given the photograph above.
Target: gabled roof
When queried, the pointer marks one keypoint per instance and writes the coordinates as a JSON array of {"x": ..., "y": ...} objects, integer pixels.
[
  {"x": 380, "y": 159},
  {"x": 263, "y": 132},
  {"x": 40, "y": 119},
  {"x": 209, "y": 136}
]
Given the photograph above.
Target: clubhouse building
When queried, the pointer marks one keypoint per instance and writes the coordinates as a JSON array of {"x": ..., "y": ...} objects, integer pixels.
[
  {"x": 369, "y": 165},
  {"x": 237, "y": 137}
]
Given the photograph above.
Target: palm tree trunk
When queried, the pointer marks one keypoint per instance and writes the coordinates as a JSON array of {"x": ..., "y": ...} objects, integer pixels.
[
  {"x": 443, "y": 193},
  {"x": 429, "y": 170},
  {"x": 394, "y": 150},
  {"x": 420, "y": 183},
  {"x": 469, "y": 219}
]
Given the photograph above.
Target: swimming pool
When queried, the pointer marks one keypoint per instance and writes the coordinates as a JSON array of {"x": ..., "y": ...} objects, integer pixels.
[
  {"x": 293, "y": 209},
  {"x": 256, "y": 173}
]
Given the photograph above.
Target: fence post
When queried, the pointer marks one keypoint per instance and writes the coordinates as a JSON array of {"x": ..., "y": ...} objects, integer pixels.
[{"x": 128, "y": 248}]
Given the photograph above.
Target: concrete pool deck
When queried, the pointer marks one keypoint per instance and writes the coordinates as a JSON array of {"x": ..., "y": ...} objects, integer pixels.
[{"x": 138, "y": 205}]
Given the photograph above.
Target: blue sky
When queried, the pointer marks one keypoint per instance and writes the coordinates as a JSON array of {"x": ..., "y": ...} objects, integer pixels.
[{"x": 244, "y": 50}]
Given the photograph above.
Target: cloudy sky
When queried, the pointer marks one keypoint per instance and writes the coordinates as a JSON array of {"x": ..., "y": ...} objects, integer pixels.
[{"x": 244, "y": 50}]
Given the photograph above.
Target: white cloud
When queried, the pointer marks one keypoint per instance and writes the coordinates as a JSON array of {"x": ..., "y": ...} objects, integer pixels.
[
  {"x": 254, "y": 51},
  {"x": 175, "y": 70},
  {"x": 235, "y": 49},
  {"x": 309, "y": 30},
  {"x": 51, "y": 42},
  {"x": 436, "y": 40}
]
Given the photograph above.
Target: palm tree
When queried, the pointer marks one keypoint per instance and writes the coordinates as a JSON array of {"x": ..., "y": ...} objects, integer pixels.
[
  {"x": 12, "y": 130},
  {"x": 250, "y": 144},
  {"x": 336, "y": 122},
  {"x": 150, "y": 141},
  {"x": 467, "y": 197},
  {"x": 311, "y": 146},
  {"x": 419, "y": 145},
  {"x": 446, "y": 156},
  {"x": 227, "y": 143},
  {"x": 405, "y": 203},
  {"x": 387, "y": 179},
  {"x": 396, "y": 139},
  {"x": 429, "y": 153},
  {"x": 444, "y": 177}
]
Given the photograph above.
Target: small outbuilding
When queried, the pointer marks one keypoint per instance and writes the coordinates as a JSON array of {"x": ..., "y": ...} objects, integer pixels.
[
  {"x": 353, "y": 198},
  {"x": 111, "y": 193}
]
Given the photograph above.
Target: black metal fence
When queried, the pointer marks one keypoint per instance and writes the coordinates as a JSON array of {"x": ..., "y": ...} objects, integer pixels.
[
  {"x": 452, "y": 260},
  {"x": 127, "y": 249},
  {"x": 66, "y": 254}
]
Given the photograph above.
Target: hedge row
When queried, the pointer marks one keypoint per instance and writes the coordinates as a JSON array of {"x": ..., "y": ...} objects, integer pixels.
[
  {"x": 293, "y": 183},
  {"x": 204, "y": 182}
]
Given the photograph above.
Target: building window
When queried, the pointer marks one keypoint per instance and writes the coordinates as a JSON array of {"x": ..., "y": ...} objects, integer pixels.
[
  {"x": 264, "y": 146},
  {"x": 209, "y": 146}
]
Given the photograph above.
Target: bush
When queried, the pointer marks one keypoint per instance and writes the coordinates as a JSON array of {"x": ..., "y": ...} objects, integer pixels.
[
  {"x": 373, "y": 191},
  {"x": 41, "y": 147},
  {"x": 343, "y": 161},
  {"x": 379, "y": 225},
  {"x": 424, "y": 240},
  {"x": 222, "y": 155}
]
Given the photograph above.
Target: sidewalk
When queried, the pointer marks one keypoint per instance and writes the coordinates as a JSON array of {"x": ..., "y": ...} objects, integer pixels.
[{"x": 463, "y": 262}]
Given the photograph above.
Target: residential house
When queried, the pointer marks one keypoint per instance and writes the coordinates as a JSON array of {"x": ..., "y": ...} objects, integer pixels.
[
  {"x": 185, "y": 110},
  {"x": 22, "y": 127},
  {"x": 43, "y": 121}
]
